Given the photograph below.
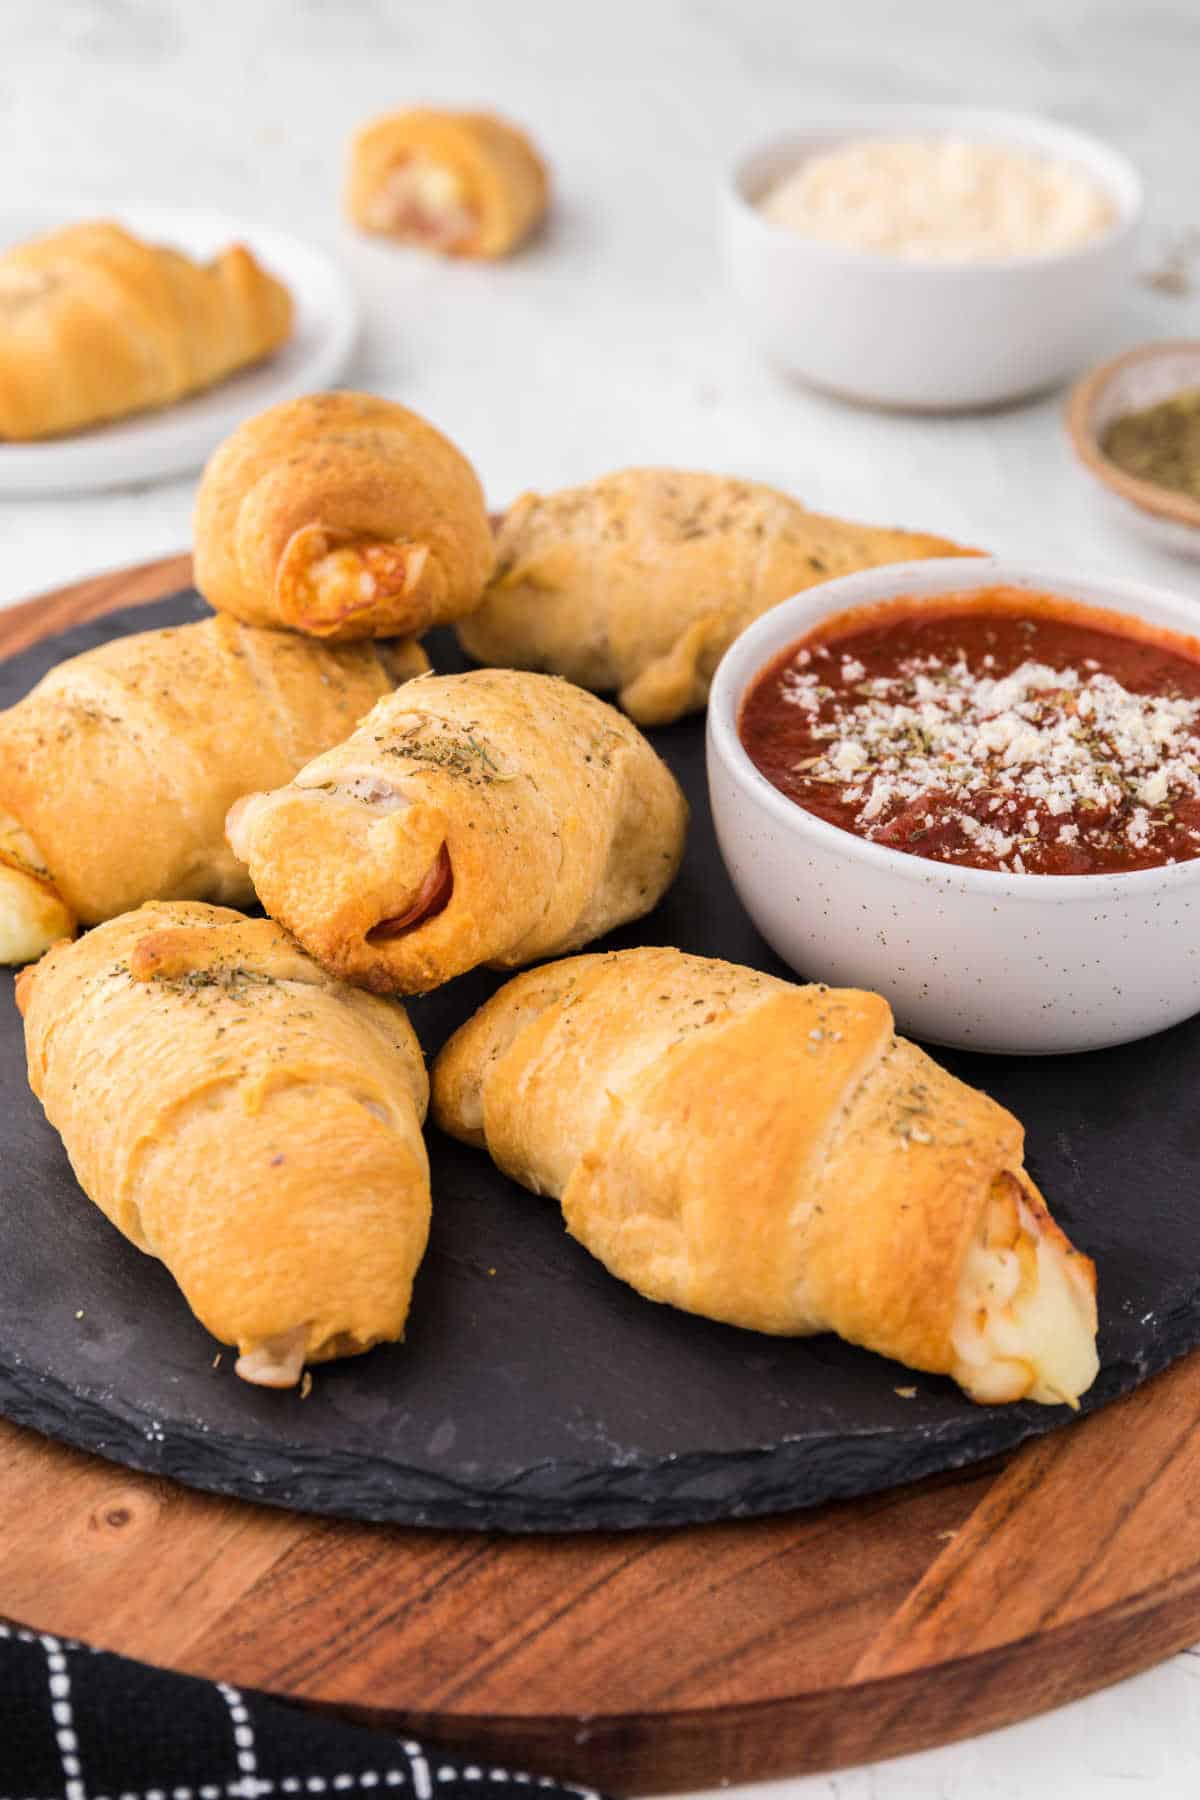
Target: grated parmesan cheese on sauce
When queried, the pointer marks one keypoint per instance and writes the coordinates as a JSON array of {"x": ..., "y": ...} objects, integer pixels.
[
  {"x": 1026, "y": 749},
  {"x": 942, "y": 199}
]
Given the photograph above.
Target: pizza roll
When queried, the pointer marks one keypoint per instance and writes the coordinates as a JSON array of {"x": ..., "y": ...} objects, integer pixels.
[
  {"x": 117, "y": 770},
  {"x": 775, "y": 1157},
  {"x": 95, "y": 324},
  {"x": 487, "y": 818},
  {"x": 463, "y": 183},
  {"x": 341, "y": 516},
  {"x": 250, "y": 1122},
  {"x": 640, "y": 581}
]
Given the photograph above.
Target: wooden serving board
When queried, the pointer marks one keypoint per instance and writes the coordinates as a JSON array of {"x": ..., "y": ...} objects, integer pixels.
[{"x": 644, "y": 1661}]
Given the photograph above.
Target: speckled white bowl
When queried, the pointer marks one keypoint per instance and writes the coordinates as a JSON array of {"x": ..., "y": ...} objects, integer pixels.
[
  {"x": 925, "y": 334},
  {"x": 1017, "y": 964}
]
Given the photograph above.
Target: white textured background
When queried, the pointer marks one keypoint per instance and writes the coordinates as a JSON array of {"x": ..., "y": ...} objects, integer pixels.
[{"x": 610, "y": 343}]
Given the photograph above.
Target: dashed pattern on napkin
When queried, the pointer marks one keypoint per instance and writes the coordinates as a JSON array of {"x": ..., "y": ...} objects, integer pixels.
[{"x": 82, "y": 1724}]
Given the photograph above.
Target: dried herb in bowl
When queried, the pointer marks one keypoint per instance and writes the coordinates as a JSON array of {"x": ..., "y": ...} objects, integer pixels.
[{"x": 1160, "y": 444}]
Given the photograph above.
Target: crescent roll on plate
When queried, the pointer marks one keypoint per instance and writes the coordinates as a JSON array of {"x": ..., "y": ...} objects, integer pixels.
[
  {"x": 640, "y": 581},
  {"x": 117, "y": 770},
  {"x": 342, "y": 516},
  {"x": 462, "y": 183},
  {"x": 95, "y": 323},
  {"x": 775, "y": 1157},
  {"x": 493, "y": 818},
  {"x": 253, "y": 1124}
]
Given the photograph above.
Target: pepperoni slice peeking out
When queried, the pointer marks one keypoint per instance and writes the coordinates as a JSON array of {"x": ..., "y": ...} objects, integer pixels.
[{"x": 431, "y": 898}]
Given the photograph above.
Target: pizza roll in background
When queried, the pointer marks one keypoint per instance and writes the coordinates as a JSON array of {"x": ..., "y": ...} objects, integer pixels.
[
  {"x": 95, "y": 324},
  {"x": 639, "y": 582},
  {"x": 462, "y": 183},
  {"x": 773, "y": 1156},
  {"x": 250, "y": 1122},
  {"x": 341, "y": 516},
  {"x": 495, "y": 817},
  {"x": 117, "y": 770}
]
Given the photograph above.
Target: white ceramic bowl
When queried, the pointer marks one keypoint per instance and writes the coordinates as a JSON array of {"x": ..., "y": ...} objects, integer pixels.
[
  {"x": 1021, "y": 964},
  {"x": 924, "y": 334}
]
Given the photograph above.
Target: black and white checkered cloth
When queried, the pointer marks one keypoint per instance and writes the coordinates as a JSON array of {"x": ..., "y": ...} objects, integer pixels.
[{"x": 80, "y": 1724}]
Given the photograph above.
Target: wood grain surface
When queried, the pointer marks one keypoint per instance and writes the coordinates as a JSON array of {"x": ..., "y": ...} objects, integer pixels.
[
  {"x": 42, "y": 617},
  {"x": 639, "y": 1662}
]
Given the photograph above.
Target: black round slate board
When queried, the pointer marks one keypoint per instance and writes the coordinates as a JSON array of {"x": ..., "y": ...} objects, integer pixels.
[{"x": 534, "y": 1392}]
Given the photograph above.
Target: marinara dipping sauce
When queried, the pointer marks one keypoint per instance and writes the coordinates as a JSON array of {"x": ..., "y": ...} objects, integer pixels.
[{"x": 994, "y": 729}]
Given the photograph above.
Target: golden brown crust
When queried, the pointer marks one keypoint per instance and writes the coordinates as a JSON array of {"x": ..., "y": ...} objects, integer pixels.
[
  {"x": 341, "y": 516},
  {"x": 239, "y": 1115},
  {"x": 95, "y": 323},
  {"x": 639, "y": 582},
  {"x": 123, "y": 762},
  {"x": 464, "y": 183},
  {"x": 761, "y": 1153},
  {"x": 556, "y": 817}
]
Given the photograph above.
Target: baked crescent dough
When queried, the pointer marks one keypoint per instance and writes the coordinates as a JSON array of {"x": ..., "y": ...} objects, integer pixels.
[
  {"x": 95, "y": 323},
  {"x": 245, "y": 1119},
  {"x": 640, "y": 581},
  {"x": 775, "y": 1157},
  {"x": 463, "y": 183},
  {"x": 487, "y": 818},
  {"x": 117, "y": 770},
  {"x": 343, "y": 516}
]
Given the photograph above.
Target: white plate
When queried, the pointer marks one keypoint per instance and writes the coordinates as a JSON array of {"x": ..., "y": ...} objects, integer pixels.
[{"x": 154, "y": 446}]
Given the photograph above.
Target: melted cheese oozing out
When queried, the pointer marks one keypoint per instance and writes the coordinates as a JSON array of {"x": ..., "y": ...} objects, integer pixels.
[
  {"x": 275, "y": 1363},
  {"x": 349, "y": 579},
  {"x": 340, "y": 578},
  {"x": 423, "y": 202},
  {"x": 941, "y": 200},
  {"x": 32, "y": 917},
  {"x": 1025, "y": 1327}
]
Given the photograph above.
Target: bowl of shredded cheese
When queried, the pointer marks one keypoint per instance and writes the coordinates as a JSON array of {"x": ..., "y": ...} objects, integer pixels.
[{"x": 930, "y": 258}]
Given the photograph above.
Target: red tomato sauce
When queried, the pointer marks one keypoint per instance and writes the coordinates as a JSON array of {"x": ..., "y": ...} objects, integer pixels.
[{"x": 993, "y": 729}]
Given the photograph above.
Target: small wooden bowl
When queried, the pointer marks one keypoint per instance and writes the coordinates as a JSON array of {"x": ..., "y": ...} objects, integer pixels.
[{"x": 1130, "y": 383}]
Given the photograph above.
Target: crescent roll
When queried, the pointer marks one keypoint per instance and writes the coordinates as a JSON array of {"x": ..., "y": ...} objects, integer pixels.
[
  {"x": 492, "y": 818},
  {"x": 117, "y": 770},
  {"x": 775, "y": 1157},
  {"x": 342, "y": 516},
  {"x": 462, "y": 183},
  {"x": 251, "y": 1123},
  {"x": 640, "y": 581},
  {"x": 95, "y": 323}
]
